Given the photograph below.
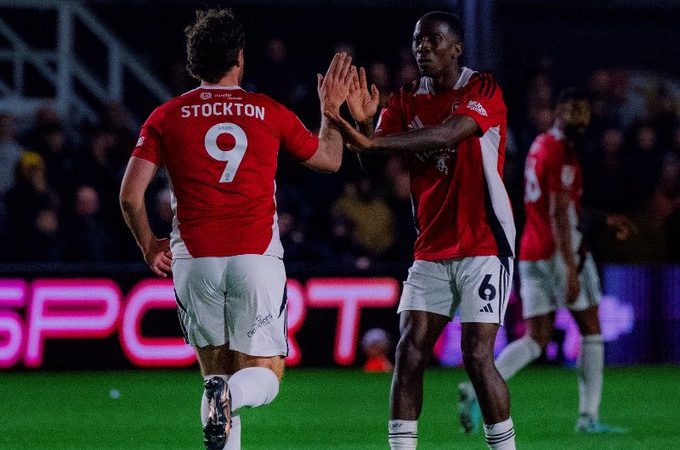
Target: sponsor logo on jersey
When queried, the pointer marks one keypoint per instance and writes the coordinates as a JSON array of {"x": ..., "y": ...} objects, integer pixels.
[
  {"x": 206, "y": 95},
  {"x": 477, "y": 107}
]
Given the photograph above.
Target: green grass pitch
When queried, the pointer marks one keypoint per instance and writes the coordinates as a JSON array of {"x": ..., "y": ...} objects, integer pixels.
[{"x": 324, "y": 409}]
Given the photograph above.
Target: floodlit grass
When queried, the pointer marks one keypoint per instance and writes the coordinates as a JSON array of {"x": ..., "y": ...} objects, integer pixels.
[{"x": 323, "y": 409}]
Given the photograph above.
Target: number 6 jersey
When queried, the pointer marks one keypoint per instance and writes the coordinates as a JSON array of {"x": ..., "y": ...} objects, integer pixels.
[
  {"x": 460, "y": 205},
  {"x": 219, "y": 146}
]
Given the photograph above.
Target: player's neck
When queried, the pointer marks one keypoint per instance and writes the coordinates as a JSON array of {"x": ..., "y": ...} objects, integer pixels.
[
  {"x": 231, "y": 78},
  {"x": 447, "y": 80}
]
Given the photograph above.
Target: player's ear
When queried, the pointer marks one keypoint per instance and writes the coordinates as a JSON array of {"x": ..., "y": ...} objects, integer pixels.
[
  {"x": 458, "y": 49},
  {"x": 240, "y": 58}
]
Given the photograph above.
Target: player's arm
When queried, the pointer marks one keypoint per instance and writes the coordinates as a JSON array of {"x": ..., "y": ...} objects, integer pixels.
[
  {"x": 445, "y": 135},
  {"x": 332, "y": 89},
  {"x": 562, "y": 233},
  {"x": 138, "y": 175}
]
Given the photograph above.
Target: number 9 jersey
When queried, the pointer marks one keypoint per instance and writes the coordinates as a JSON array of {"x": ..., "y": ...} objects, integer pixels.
[{"x": 219, "y": 146}]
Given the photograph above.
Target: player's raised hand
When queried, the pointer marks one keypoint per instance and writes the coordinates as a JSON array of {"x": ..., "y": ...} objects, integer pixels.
[
  {"x": 159, "y": 258},
  {"x": 333, "y": 87},
  {"x": 622, "y": 225},
  {"x": 355, "y": 141},
  {"x": 362, "y": 104}
]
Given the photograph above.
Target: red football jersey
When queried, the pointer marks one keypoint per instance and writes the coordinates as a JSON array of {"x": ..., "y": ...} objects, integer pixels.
[
  {"x": 219, "y": 146},
  {"x": 550, "y": 167},
  {"x": 460, "y": 205}
]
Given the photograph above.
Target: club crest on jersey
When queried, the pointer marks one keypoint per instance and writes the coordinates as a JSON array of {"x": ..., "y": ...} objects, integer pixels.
[
  {"x": 477, "y": 107},
  {"x": 442, "y": 163},
  {"x": 206, "y": 95}
]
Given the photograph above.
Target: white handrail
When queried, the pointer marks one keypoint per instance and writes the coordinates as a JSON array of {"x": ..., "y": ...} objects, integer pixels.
[{"x": 68, "y": 67}]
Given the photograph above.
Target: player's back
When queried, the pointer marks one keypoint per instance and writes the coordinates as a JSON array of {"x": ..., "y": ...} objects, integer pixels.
[
  {"x": 219, "y": 146},
  {"x": 550, "y": 167}
]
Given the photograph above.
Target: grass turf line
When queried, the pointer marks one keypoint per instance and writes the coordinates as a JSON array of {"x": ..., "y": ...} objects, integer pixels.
[{"x": 323, "y": 409}]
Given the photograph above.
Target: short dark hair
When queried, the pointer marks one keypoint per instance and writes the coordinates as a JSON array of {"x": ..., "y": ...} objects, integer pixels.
[
  {"x": 572, "y": 94},
  {"x": 452, "y": 21},
  {"x": 213, "y": 44}
]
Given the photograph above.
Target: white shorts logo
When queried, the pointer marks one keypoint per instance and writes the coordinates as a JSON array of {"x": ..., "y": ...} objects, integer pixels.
[{"x": 477, "y": 107}]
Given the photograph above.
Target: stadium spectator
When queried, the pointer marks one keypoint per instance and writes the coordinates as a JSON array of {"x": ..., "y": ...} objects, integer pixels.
[
  {"x": 376, "y": 344},
  {"x": 44, "y": 239},
  {"x": 48, "y": 138},
  {"x": 29, "y": 197},
  {"x": 88, "y": 237},
  {"x": 371, "y": 218},
  {"x": 10, "y": 152},
  {"x": 161, "y": 214},
  {"x": 379, "y": 73}
]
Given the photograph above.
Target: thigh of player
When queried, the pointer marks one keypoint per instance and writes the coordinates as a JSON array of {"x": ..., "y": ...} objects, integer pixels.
[
  {"x": 484, "y": 283},
  {"x": 200, "y": 292},
  {"x": 539, "y": 286},
  {"x": 256, "y": 307},
  {"x": 428, "y": 287}
]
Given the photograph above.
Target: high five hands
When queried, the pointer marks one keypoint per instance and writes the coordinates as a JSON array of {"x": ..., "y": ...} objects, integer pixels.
[{"x": 333, "y": 88}]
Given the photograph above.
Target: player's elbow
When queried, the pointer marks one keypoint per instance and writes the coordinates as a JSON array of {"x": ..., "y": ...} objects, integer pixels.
[
  {"x": 324, "y": 161},
  {"x": 334, "y": 164}
]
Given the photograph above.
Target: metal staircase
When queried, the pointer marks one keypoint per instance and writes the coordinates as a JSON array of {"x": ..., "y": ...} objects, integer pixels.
[{"x": 60, "y": 69}]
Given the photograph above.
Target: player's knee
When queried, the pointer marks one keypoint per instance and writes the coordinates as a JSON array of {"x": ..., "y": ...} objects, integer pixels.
[
  {"x": 476, "y": 357},
  {"x": 410, "y": 352}
]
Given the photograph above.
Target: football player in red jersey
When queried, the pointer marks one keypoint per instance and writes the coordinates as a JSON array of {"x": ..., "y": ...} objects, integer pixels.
[
  {"x": 554, "y": 266},
  {"x": 450, "y": 125},
  {"x": 219, "y": 146}
]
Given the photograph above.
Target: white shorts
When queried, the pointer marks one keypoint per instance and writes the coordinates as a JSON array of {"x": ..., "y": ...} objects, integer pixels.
[
  {"x": 238, "y": 300},
  {"x": 479, "y": 285},
  {"x": 543, "y": 286}
]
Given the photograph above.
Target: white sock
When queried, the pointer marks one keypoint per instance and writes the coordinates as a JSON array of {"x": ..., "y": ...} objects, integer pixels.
[
  {"x": 591, "y": 375},
  {"x": 234, "y": 439},
  {"x": 500, "y": 436},
  {"x": 403, "y": 434},
  {"x": 516, "y": 356},
  {"x": 253, "y": 387}
]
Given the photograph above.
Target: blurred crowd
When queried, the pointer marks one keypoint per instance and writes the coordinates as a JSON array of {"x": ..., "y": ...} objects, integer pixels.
[{"x": 59, "y": 182}]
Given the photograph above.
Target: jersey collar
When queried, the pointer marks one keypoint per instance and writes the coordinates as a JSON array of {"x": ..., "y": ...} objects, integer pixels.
[{"x": 425, "y": 84}]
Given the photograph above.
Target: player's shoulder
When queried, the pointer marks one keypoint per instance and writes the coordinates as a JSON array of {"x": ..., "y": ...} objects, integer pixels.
[
  {"x": 158, "y": 115},
  {"x": 481, "y": 83},
  {"x": 548, "y": 145},
  {"x": 267, "y": 101}
]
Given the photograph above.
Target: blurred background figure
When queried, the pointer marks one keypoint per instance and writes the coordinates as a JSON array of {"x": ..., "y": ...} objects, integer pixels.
[
  {"x": 10, "y": 152},
  {"x": 376, "y": 345}
]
